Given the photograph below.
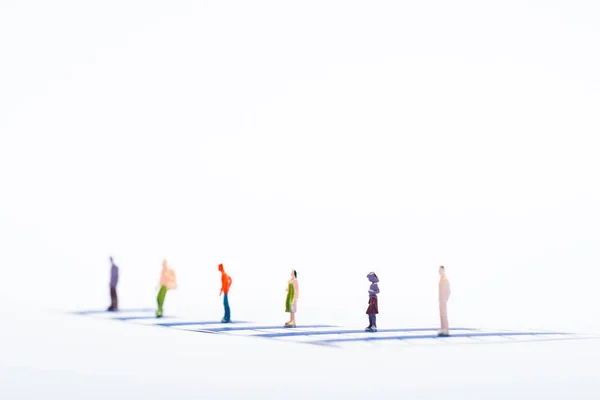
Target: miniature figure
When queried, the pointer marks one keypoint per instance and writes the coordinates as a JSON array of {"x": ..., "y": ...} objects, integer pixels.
[
  {"x": 167, "y": 282},
  {"x": 292, "y": 299},
  {"x": 114, "y": 280},
  {"x": 373, "y": 308},
  {"x": 225, "y": 285},
  {"x": 444, "y": 295}
]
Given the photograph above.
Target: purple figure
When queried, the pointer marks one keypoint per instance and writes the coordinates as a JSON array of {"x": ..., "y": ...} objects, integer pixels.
[
  {"x": 373, "y": 309},
  {"x": 114, "y": 279}
]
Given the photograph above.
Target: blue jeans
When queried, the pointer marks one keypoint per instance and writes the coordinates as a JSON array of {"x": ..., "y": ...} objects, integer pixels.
[{"x": 227, "y": 316}]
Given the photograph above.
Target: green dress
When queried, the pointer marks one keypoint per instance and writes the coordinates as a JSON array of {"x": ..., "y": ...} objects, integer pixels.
[{"x": 290, "y": 298}]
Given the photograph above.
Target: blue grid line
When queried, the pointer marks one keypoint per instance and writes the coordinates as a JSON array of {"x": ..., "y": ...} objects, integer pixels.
[
  {"x": 172, "y": 324},
  {"x": 140, "y": 317},
  {"x": 87, "y": 312},
  {"x": 266, "y": 327},
  {"x": 374, "y": 337},
  {"x": 335, "y": 342},
  {"x": 347, "y": 331}
]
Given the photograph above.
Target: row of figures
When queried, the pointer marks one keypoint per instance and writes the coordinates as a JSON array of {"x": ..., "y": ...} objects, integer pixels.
[
  {"x": 168, "y": 281},
  {"x": 444, "y": 295}
]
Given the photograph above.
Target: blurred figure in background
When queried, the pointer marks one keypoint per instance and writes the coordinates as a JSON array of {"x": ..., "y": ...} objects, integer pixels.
[
  {"x": 292, "y": 299},
  {"x": 167, "y": 282},
  {"x": 444, "y": 295},
  {"x": 373, "y": 308},
  {"x": 114, "y": 280},
  {"x": 225, "y": 285}
]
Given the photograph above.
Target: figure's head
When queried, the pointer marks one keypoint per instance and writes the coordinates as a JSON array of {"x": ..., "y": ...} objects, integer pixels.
[
  {"x": 111, "y": 260},
  {"x": 372, "y": 277},
  {"x": 221, "y": 268},
  {"x": 442, "y": 270},
  {"x": 294, "y": 274},
  {"x": 164, "y": 264}
]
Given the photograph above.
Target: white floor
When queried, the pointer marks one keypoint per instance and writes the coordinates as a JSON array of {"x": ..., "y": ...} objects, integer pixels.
[
  {"x": 330, "y": 137},
  {"x": 48, "y": 354}
]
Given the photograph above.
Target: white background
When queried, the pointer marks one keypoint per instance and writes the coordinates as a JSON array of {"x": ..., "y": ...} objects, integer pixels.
[{"x": 335, "y": 138}]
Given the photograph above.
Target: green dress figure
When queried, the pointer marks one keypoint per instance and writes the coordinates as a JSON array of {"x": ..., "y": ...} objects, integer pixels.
[
  {"x": 167, "y": 282},
  {"x": 291, "y": 300}
]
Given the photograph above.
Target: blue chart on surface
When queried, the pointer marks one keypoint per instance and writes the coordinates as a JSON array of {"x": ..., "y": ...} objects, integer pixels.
[{"x": 331, "y": 335}]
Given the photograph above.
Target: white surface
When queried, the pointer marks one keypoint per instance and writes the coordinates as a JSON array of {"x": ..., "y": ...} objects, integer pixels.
[
  {"x": 335, "y": 138},
  {"x": 51, "y": 355}
]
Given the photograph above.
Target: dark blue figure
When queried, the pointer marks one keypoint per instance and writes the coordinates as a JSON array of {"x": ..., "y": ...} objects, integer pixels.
[{"x": 114, "y": 280}]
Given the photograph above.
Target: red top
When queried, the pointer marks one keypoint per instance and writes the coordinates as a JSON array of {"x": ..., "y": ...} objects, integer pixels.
[{"x": 225, "y": 281}]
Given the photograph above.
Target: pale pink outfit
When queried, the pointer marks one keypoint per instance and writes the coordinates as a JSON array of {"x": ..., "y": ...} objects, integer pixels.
[
  {"x": 444, "y": 295},
  {"x": 167, "y": 277}
]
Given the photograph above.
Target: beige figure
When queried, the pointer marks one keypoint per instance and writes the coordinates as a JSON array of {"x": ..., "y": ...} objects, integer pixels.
[
  {"x": 444, "y": 295},
  {"x": 168, "y": 281}
]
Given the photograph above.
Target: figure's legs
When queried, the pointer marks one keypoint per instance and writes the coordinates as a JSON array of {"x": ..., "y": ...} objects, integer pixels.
[
  {"x": 444, "y": 317},
  {"x": 372, "y": 323},
  {"x": 116, "y": 300},
  {"x": 227, "y": 316},
  {"x": 114, "y": 303},
  {"x": 292, "y": 321},
  {"x": 160, "y": 299}
]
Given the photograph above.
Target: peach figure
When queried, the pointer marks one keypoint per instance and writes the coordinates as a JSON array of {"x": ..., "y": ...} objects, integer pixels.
[
  {"x": 168, "y": 281},
  {"x": 444, "y": 295}
]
